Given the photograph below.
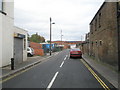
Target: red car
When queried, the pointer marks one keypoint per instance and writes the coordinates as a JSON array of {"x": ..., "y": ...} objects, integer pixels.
[{"x": 75, "y": 53}]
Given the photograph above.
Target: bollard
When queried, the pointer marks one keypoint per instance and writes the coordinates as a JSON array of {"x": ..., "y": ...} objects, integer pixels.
[{"x": 12, "y": 63}]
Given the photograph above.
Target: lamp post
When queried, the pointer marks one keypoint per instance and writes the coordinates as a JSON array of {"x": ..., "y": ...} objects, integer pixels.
[
  {"x": 61, "y": 39},
  {"x": 51, "y": 32}
]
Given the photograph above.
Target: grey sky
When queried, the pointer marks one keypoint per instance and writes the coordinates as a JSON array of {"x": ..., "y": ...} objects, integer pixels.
[{"x": 70, "y": 16}]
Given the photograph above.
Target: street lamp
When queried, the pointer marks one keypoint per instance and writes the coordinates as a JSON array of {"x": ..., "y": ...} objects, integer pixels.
[
  {"x": 50, "y": 32},
  {"x": 61, "y": 39}
]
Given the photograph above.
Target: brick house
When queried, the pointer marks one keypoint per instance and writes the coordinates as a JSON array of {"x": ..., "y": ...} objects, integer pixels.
[{"x": 103, "y": 43}]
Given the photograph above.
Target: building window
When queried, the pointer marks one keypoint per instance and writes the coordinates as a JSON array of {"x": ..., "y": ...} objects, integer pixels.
[
  {"x": 92, "y": 43},
  {"x": 24, "y": 44},
  {"x": 95, "y": 24},
  {"x": 100, "y": 42},
  {"x": 91, "y": 28},
  {"x": 1, "y": 5},
  {"x": 96, "y": 43},
  {"x": 99, "y": 20}
]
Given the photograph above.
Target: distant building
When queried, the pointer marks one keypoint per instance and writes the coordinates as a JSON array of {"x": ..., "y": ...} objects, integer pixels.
[
  {"x": 102, "y": 42},
  {"x": 66, "y": 44}
]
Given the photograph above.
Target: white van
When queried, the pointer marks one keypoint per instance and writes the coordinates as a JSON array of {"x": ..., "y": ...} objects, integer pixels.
[{"x": 30, "y": 51}]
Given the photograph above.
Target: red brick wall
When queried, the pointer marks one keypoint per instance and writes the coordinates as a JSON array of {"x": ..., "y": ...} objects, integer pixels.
[
  {"x": 37, "y": 48},
  {"x": 35, "y": 45},
  {"x": 39, "y": 52}
]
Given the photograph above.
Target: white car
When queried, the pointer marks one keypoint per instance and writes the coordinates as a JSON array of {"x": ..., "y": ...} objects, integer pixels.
[{"x": 30, "y": 51}]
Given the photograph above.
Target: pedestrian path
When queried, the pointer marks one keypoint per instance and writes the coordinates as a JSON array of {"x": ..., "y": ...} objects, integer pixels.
[
  {"x": 6, "y": 71},
  {"x": 106, "y": 72}
]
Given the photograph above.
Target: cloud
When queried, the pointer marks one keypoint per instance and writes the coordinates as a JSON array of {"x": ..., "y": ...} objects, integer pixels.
[{"x": 70, "y": 16}]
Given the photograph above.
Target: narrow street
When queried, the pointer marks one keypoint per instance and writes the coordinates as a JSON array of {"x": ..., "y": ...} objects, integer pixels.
[{"x": 59, "y": 71}]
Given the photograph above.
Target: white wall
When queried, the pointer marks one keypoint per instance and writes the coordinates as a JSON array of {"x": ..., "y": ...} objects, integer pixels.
[
  {"x": 7, "y": 40},
  {"x": 7, "y": 23},
  {"x": 7, "y": 30},
  {"x": 24, "y": 32},
  {"x": 8, "y": 7},
  {"x": 0, "y": 48},
  {"x": 0, "y": 39}
]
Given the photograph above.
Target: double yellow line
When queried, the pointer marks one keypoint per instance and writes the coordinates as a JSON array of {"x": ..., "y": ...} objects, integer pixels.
[
  {"x": 96, "y": 76},
  {"x": 14, "y": 75}
]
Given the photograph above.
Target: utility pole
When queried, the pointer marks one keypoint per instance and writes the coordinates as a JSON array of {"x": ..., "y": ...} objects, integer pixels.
[
  {"x": 51, "y": 33},
  {"x": 61, "y": 37}
]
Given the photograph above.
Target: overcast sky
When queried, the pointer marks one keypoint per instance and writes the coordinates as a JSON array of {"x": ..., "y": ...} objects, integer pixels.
[{"x": 70, "y": 16}]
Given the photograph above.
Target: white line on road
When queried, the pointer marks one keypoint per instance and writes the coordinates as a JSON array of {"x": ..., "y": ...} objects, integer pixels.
[
  {"x": 52, "y": 81},
  {"x": 69, "y": 56},
  {"x": 62, "y": 64},
  {"x": 65, "y": 57}
]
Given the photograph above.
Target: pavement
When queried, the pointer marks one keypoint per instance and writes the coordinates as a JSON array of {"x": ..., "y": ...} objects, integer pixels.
[
  {"x": 6, "y": 71},
  {"x": 108, "y": 73}
]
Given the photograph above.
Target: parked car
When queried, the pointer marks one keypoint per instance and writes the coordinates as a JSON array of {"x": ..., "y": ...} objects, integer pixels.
[
  {"x": 76, "y": 52},
  {"x": 30, "y": 51}
]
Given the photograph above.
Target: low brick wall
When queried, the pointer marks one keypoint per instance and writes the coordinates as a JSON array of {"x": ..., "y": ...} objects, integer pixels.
[
  {"x": 39, "y": 52},
  {"x": 37, "y": 48}
]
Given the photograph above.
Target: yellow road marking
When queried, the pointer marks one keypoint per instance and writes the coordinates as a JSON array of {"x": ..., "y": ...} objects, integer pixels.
[
  {"x": 96, "y": 76},
  {"x": 14, "y": 75}
]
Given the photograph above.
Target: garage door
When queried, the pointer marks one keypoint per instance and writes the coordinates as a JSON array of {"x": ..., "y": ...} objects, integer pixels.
[{"x": 18, "y": 50}]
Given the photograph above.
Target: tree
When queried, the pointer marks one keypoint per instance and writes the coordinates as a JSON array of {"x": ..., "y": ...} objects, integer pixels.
[
  {"x": 48, "y": 41},
  {"x": 37, "y": 38}
]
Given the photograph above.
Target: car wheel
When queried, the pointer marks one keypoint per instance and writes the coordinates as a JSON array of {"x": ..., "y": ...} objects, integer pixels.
[
  {"x": 80, "y": 57},
  {"x": 29, "y": 55}
]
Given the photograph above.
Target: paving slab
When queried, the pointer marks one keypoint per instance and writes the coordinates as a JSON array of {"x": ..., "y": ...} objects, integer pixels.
[{"x": 106, "y": 72}]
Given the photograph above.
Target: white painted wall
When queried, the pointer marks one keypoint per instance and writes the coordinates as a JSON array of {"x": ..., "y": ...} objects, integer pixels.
[
  {"x": 24, "y": 32},
  {"x": 8, "y": 7},
  {"x": 7, "y": 30},
  {"x": 0, "y": 48},
  {"x": 1, "y": 39},
  {"x": 6, "y": 40}
]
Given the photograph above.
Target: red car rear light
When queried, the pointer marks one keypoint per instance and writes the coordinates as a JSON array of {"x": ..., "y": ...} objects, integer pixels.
[{"x": 79, "y": 52}]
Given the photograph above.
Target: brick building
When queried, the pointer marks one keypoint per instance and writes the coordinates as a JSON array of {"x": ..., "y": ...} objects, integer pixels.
[
  {"x": 103, "y": 43},
  {"x": 66, "y": 44},
  {"x": 118, "y": 20}
]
